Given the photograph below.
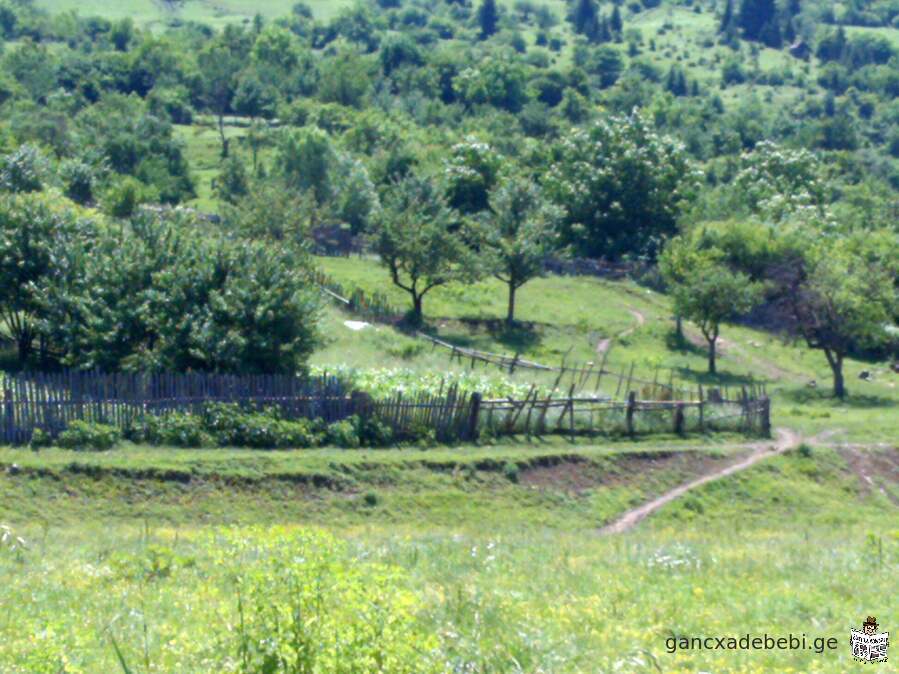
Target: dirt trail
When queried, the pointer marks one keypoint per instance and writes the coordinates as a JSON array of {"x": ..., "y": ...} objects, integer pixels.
[
  {"x": 786, "y": 440},
  {"x": 605, "y": 344}
]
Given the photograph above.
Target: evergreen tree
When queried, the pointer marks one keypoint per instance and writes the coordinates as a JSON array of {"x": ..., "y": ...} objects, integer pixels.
[
  {"x": 585, "y": 17},
  {"x": 771, "y": 35},
  {"x": 487, "y": 18},
  {"x": 615, "y": 23},
  {"x": 727, "y": 18},
  {"x": 754, "y": 16}
]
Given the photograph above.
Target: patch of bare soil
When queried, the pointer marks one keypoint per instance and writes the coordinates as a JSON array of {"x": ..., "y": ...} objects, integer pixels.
[
  {"x": 873, "y": 468},
  {"x": 623, "y": 469},
  {"x": 786, "y": 440}
]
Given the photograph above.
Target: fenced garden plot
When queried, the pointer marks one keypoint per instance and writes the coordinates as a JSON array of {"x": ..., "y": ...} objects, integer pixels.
[
  {"x": 51, "y": 402},
  {"x": 598, "y": 416}
]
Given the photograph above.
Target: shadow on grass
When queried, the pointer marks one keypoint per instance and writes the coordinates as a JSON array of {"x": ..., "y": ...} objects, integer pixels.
[
  {"x": 804, "y": 396},
  {"x": 680, "y": 344},
  {"x": 713, "y": 380},
  {"x": 518, "y": 339}
]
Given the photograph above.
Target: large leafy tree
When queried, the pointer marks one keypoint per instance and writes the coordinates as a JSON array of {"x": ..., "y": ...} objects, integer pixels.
[
  {"x": 706, "y": 291},
  {"x": 622, "y": 186},
  {"x": 519, "y": 234},
  {"x": 843, "y": 295},
  {"x": 219, "y": 65},
  {"x": 164, "y": 295},
  {"x": 32, "y": 233},
  {"x": 472, "y": 170},
  {"x": 419, "y": 242}
]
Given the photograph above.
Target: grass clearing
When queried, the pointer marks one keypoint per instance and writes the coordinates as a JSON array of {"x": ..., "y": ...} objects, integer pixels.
[{"x": 779, "y": 549}]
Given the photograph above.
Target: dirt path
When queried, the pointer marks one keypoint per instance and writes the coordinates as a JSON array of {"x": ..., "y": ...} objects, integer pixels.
[
  {"x": 786, "y": 440},
  {"x": 605, "y": 344}
]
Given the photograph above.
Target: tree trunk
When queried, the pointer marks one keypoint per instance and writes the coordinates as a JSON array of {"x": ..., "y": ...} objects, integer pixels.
[
  {"x": 24, "y": 344},
  {"x": 836, "y": 366},
  {"x": 510, "y": 315},
  {"x": 712, "y": 368},
  {"x": 417, "y": 313},
  {"x": 222, "y": 135}
]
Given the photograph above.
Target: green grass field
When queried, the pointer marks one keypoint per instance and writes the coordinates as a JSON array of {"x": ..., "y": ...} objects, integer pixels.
[
  {"x": 440, "y": 557},
  {"x": 154, "y": 13}
]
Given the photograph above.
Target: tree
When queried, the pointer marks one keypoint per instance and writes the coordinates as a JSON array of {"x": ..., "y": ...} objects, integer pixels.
[
  {"x": 306, "y": 159},
  {"x": 31, "y": 233},
  {"x": 159, "y": 294},
  {"x": 487, "y": 18},
  {"x": 727, "y": 18},
  {"x": 708, "y": 293},
  {"x": 754, "y": 16},
  {"x": 843, "y": 295},
  {"x": 585, "y": 17},
  {"x": 219, "y": 68},
  {"x": 519, "y": 234},
  {"x": 622, "y": 186},
  {"x": 232, "y": 183},
  {"x": 470, "y": 173},
  {"x": 616, "y": 25},
  {"x": 418, "y": 242},
  {"x": 271, "y": 212}
]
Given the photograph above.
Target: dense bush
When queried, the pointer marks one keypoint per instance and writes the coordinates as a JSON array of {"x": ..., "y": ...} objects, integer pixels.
[
  {"x": 88, "y": 436},
  {"x": 227, "y": 425}
]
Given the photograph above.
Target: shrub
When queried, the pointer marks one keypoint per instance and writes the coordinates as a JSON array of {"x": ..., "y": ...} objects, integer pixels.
[
  {"x": 344, "y": 433},
  {"x": 177, "y": 430},
  {"x": 375, "y": 433},
  {"x": 510, "y": 471},
  {"x": 85, "y": 435},
  {"x": 40, "y": 439}
]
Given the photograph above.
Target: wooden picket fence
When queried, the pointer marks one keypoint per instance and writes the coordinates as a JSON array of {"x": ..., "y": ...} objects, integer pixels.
[{"x": 51, "y": 401}]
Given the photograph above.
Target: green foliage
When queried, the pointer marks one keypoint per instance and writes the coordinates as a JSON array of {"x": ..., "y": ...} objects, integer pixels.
[
  {"x": 158, "y": 295},
  {"x": 518, "y": 236},
  {"x": 289, "y": 613},
  {"x": 89, "y": 436},
  {"x": 233, "y": 183},
  {"x": 418, "y": 241},
  {"x": 23, "y": 170},
  {"x": 33, "y": 232},
  {"x": 39, "y": 439},
  {"x": 229, "y": 425},
  {"x": 622, "y": 186},
  {"x": 123, "y": 197},
  {"x": 472, "y": 170},
  {"x": 706, "y": 291},
  {"x": 344, "y": 433}
]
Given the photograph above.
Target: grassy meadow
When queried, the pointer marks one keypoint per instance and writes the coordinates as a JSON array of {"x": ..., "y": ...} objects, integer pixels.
[{"x": 418, "y": 566}]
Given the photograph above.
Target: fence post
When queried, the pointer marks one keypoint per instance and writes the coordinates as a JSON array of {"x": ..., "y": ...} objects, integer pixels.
[
  {"x": 766, "y": 416},
  {"x": 679, "y": 419},
  {"x": 10, "y": 425},
  {"x": 701, "y": 411},
  {"x": 631, "y": 405},
  {"x": 474, "y": 416}
]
